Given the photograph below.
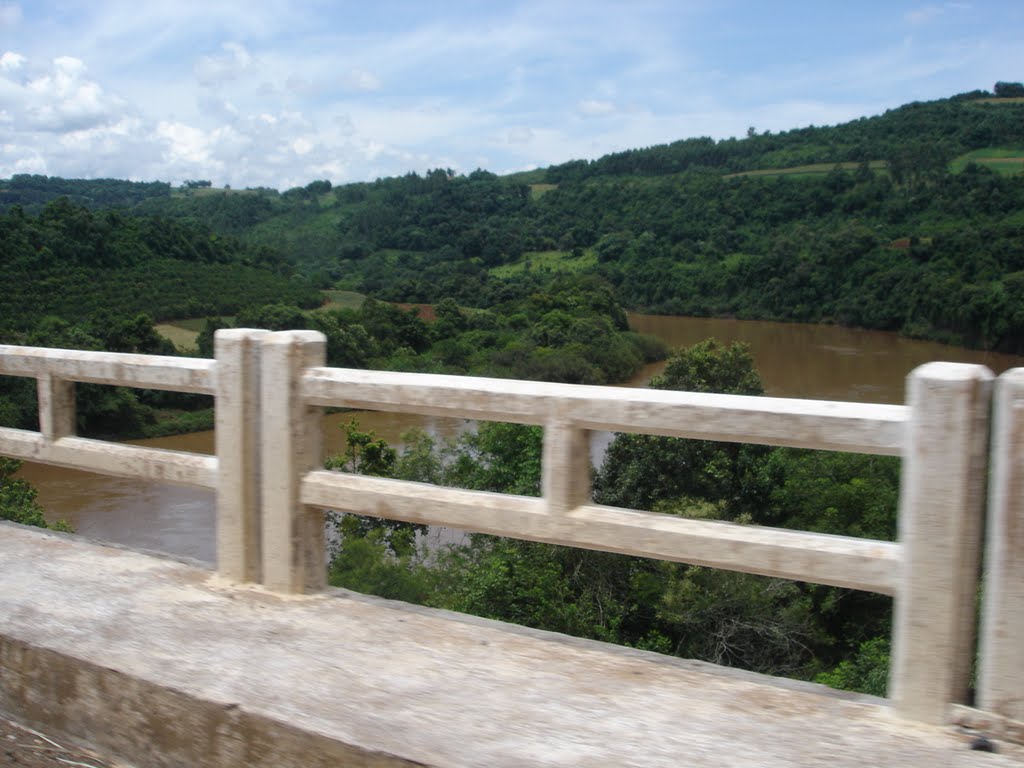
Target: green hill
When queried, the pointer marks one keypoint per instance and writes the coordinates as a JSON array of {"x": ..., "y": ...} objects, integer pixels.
[
  {"x": 797, "y": 225},
  {"x": 73, "y": 263}
]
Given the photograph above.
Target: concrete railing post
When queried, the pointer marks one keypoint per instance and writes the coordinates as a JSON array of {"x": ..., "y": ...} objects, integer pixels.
[
  {"x": 56, "y": 407},
  {"x": 1001, "y": 655},
  {"x": 237, "y": 351},
  {"x": 942, "y": 493},
  {"x": 565, "y": 466},
  {"x": 291, "y": 446}
]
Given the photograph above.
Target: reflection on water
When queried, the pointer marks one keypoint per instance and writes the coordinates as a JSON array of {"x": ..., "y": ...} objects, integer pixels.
[{"x": 807, "y": 361}]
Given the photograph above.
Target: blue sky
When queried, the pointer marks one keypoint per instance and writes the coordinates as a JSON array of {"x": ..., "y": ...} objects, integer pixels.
[{"x": 276, "y": 93}]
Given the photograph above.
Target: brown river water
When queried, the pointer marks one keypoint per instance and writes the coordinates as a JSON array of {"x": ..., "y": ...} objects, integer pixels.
[{"x": 806, "y": 361}]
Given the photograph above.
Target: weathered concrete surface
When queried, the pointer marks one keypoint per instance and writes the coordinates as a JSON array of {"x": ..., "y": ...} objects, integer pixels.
[{"x": 161, "y": 664}]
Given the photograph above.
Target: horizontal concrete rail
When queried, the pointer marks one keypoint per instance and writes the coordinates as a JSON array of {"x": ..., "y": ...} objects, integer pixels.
[
  {"x": 115, "y": 459},
  {"x": 818, "y": 558},
  {"x": 819, "y": 424},
  {"x": 56, "y": 443},
  {"x": 566, "y": 516},
  {"x": 175, "y": 374}
]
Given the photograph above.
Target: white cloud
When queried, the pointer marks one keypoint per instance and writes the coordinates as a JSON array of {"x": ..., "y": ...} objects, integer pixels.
[
  {"x": 11, "y": 61},
  {"x": 303, "y": 146},
  {"x": 184, "y": 142},
  {"x": 216, "y": 70},
  {"x": 361, "y": 80},
  {"x": 922, "y": 15},
  {"x": 57, "y": 97},
  {"x": 595, "y": 107},
  {"x": 519, "y": 135}
]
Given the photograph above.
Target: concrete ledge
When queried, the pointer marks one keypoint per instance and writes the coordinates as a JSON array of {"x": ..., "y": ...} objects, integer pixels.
[{"x": 160, "y": 664}]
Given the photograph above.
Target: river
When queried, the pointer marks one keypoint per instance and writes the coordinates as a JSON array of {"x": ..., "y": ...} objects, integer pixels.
[{"x": 795, "y": 360}]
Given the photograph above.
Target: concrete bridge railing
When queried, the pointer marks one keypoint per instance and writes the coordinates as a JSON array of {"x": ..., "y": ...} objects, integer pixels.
[{"x": 271, "y": 388}]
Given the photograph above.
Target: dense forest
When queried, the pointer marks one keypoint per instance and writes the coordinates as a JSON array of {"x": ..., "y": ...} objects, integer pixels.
[
  {"x": 911, "y": 221},
  {"x": 72, "y": 262}
]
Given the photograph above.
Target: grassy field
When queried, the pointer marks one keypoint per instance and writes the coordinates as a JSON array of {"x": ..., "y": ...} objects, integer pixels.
[
  {"x": 539, "y": 190},
  {"x": 210, "y": 191},
  {"x": 183, "y": 338},
  {"x": 343, "y": 299},
  {"x": 815, "y": 169},
  {"x": 994, "y": 100},
  {"x": 553, "y": 261},
  {"x": 536, "y": 176},
  {"x": 1005, "y": 161},
  {"x": 183, "y": 333}
]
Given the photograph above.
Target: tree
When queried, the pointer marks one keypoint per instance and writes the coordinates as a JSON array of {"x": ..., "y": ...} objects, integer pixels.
[
  {"x": 1004, "y": 90},
  {"x": 640, "y": 471},
  {"x": 366, "y": 454}
]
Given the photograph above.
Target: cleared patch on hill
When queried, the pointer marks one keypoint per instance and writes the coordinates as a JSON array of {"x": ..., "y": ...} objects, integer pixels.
[
  {"x": 1004, "y": 161},
  {"x": 182, "y": 338},
  {"x": 212, "y": 192},
  {"x": 999, "y": 100},
  {"x": 536, "y": 176},
  {"x": 343, "y": 300},
  {"x": 539, "y": 190},
  {"x": 183, "y": 333},
  {"x": 811, "y": 170},
  {"x": 547, "y": 261}
]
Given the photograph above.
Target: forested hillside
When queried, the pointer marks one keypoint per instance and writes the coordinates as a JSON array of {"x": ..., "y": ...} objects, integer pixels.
[
  {"x": 71, "y": 262},
  {"x": 911, "y": 221},
  {"x": 32, "y": 191}
]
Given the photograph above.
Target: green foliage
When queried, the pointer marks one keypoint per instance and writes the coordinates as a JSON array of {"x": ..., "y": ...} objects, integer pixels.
[
  {"x": 739, "y": 620},
  {"x": 539, "y": 585},
  {"x": 571, "y": 330},
  {"x": 824, "y": 492},
  {"x": 865, "y": 672},
  {"x": 498, "y": 457},
  {"x": 366, "y": 454},
  {"x": 368, "y": 562},
  {"x": 32, "y": 192},
  {"x": 18, "y": 500},
  {"x": 75, "y": 264},
  {"x": 641, "y": 471},
  {"x": 710, "y": 367},
  {"x": 1005, "y": 90}
]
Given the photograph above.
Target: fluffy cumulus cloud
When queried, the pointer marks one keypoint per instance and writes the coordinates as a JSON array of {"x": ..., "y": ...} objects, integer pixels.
[
  {"x": 56, "y": 97},
  {"x": 230, "y": 64},
  {"x": 596, "y": 107},
  {"x": 361, "y": 80}
]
